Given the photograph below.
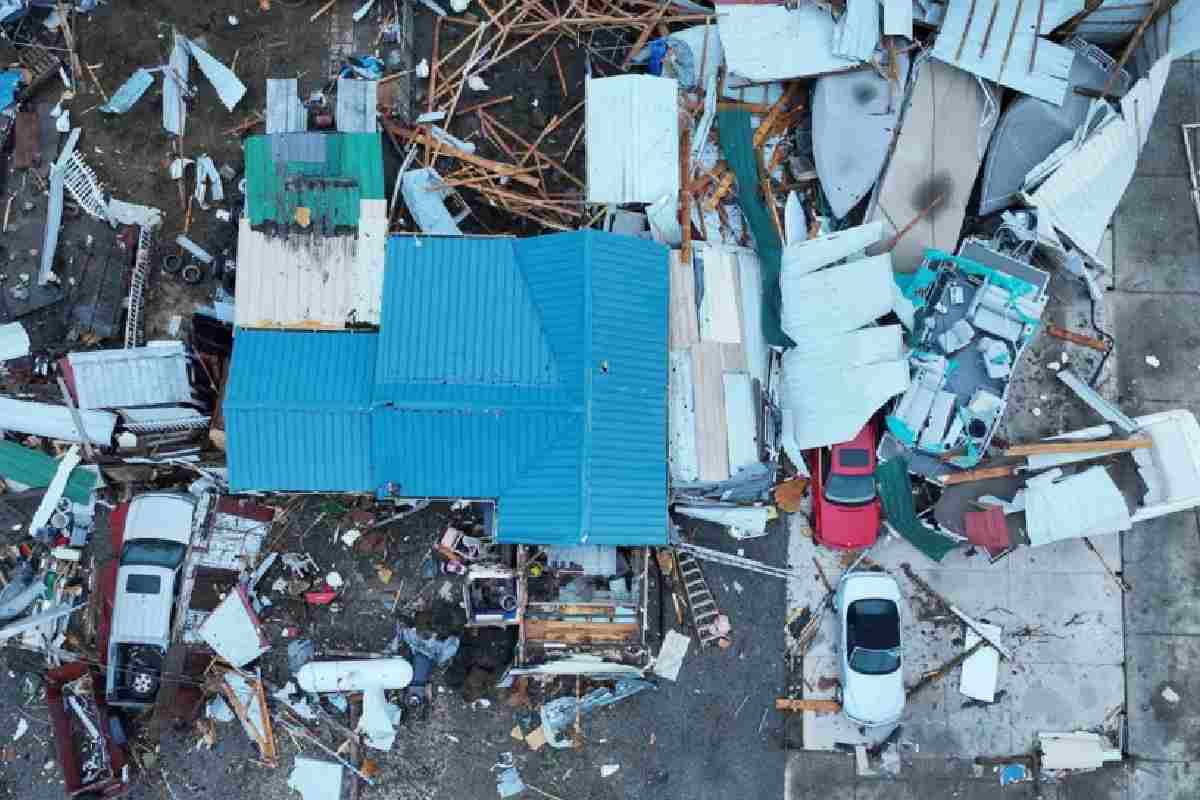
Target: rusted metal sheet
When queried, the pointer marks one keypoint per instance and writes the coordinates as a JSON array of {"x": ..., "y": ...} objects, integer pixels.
[{"x": 27, "y": 151}]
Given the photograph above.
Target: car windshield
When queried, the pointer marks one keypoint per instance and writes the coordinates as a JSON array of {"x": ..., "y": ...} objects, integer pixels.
[
  {"x": 873, "y": 636},
  {"x": 874, "y": 662},
  {"x": 850, "y": 490},
  {"x": 152, "y": 553}
]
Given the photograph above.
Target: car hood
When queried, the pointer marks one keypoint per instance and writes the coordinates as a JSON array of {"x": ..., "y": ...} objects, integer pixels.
[
  {"x": 874, "y": 699},
  {"x": 143, "y": 618},
  {"x": 160, "y": 516}
]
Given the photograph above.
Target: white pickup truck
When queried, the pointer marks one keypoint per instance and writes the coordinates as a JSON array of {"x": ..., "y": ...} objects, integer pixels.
[{"x": 158, "y": 529}]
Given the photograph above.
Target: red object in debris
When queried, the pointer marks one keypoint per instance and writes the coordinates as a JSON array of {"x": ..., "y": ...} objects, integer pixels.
[
  {"x": 65, "y": 743},
  {"x": 988, "y": 530},
  {"x": 845, "y": 502},
  {"x": 322, "y": 598}
]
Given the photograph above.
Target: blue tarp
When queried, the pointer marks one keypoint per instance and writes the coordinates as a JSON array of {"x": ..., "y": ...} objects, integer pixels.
[{"x": 9, "y": 80}]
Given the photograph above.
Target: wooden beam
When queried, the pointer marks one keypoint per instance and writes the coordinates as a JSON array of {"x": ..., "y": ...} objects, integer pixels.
[
  {"x": 820, "y": 706},
  {"x": 1076, "y": 338},
  {"x": 972, "y": 475},
  {"x": 548, "y": 630},
  {"x": 1047, "y": 448}
]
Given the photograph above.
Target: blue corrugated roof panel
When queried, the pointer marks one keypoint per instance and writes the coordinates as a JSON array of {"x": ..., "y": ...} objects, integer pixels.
[
  {"x": 458, "y": 454},
  {"x": 625, "y": 471},
  {"x": 297, "y": 411},
  {"x": 458, "y": 311}
]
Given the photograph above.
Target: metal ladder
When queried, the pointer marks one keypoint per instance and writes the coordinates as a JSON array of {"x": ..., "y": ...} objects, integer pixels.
[
  {"x": 700, "y": 599},
  {"x": 137, "y": 286}
]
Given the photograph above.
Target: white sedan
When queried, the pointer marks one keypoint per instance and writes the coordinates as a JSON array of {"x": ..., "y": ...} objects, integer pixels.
[{"x": 867, "y": 605}]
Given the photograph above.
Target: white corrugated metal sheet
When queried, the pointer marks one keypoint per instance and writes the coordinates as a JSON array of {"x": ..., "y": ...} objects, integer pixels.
[
  {"x": 857, "y": 32},
  {"x": 312, "y": 282},
  {"x": 838, "y": 299},
  {"x": 55, "y": 422},
  {"x": 356, "y": 102},
  {"x": 14, "y": 341},
  {"x": 285, "y": 112},
  {"x": 770, "y": 42},
  {"x": 632, "y": 138},
  {"x": 898, "y": 18},
  {"x": 176, "y": 77},
  {"x": 138, "y": 376},
  {"x": 996, "y": 42},
  {"x": 1085, "y": 504},
  {"x": 1082, "y": 194}
]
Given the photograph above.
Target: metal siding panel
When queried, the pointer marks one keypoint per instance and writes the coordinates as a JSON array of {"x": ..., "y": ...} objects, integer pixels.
[
  {"x": 545, "y": 507},
  {"x": 35, "y": 469},
  {"x": 345, "y": 168},
  {"x": 141, "y": 376},
  {"x": 356, "y": 100},
  {"x": 767, "y": 43},
  {"x": 632, "y": 138},
  {"x": 307, "y": 281},
  {"x": 298, "y": 450},
  {"x": 285, "y": 112}
]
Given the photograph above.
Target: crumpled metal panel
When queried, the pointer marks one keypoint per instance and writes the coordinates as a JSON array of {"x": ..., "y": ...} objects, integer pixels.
[
  {"x": 138, "y": 376},
  {"x": 771, "y": 42}
]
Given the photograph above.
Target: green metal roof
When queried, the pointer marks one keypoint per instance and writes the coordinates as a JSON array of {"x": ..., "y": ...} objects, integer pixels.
[
  {"x": 327, "y": 173},
  {"x": 36, "y": 469}
]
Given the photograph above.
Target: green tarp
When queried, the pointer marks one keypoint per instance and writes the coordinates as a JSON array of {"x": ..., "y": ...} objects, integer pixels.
[
  {"x": 35, "y": 470},
  {"x": 737, "y": 145},
  {"x": 895, "y": 490}
]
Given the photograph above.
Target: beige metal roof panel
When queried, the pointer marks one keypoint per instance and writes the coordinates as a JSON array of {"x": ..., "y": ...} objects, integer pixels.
[{"x": 312, "y": 282}]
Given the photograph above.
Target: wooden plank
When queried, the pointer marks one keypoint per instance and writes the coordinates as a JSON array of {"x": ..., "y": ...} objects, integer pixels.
[
  {"x": 684, "y": 326},
  {"x": 26, "y": 141},
  {"x": 1108, "y": 445},
  {"x": 546, "y": 630},
  {"x": 818, "y": 705},
  {"x": 1076, "y": 338},
  {"x": 981, "y": 474},
  {"x": 719, "y": 320},
  {"x": 712, "y": 449}
]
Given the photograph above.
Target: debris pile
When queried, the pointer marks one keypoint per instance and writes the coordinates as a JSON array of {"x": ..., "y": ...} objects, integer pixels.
[{"x": 516, "y": 318}]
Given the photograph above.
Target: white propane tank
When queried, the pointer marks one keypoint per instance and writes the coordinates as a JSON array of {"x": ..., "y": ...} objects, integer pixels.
[{"x": 354, "y": 676}]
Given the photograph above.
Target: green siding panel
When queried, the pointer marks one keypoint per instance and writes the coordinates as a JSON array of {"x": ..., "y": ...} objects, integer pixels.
[
  {"x": 332, "y": 190},
  {"x": 36, "y": 469}
]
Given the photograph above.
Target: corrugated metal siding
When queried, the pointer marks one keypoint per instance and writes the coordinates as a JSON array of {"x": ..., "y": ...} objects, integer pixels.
[
  {"x": 307, "y": 281},
  {"x": 297, "y": 411},
  {"x": 626, "y": 468},
  {"x": 35, "y": 469},
  {"x": 459, "y": 454},
  {"x": 632, "y": 138},
  {"x": 356, "y": 100},
  {"x": 139, "y": 376},
  {"x": 285, "y": 112},
  {"x": 458, "y": 311},
  {"x": 352, "y": 170}
]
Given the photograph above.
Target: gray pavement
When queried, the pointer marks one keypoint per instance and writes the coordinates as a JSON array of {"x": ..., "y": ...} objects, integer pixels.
[{"x": 1157, "y": 243}]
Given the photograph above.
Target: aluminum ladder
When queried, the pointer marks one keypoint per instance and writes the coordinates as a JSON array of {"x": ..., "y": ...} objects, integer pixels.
[
  {"x": 700, "y": 599},
  {"x": 137, "y": 287}
]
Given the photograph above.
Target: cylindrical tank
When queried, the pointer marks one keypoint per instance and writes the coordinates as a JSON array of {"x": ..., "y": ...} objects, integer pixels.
[{"x": 354, "y": 676}]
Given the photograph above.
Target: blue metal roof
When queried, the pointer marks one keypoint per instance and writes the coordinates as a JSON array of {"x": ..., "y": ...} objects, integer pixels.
[
  {"x": 297, "y": 411},
  {"x": 531, "y": 371}
]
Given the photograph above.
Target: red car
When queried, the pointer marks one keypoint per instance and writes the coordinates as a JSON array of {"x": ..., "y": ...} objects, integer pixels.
[{"x": 846, "y": 507}]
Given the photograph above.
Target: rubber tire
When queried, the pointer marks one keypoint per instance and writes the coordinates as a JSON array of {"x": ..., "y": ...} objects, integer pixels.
[
  {"x": 192, "y": 274},
  {"x": 172, "y": 263}
]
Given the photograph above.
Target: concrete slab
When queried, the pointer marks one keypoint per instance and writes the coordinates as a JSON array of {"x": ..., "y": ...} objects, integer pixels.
[
  {"x": 1156, "y": 325},
  {"x": 1068, "y": 555},
  {"x": 1162, "y": 564},
  {"x": 1157, "y": 238},
  {"x": 1164, "y": 153},
  {"x": 1178, "y": 780},
  {"x": 1062, "y": 697},
  {"x": 1158, "y": 728},
  {"x": 1077, "y": 617}
]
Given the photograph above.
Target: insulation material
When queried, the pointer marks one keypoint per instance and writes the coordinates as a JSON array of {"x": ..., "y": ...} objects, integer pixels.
[
  {"x": 770, "y": 42},
  {"x": 632, "y": 139},
  {"x": 1086, "y": 504}
]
